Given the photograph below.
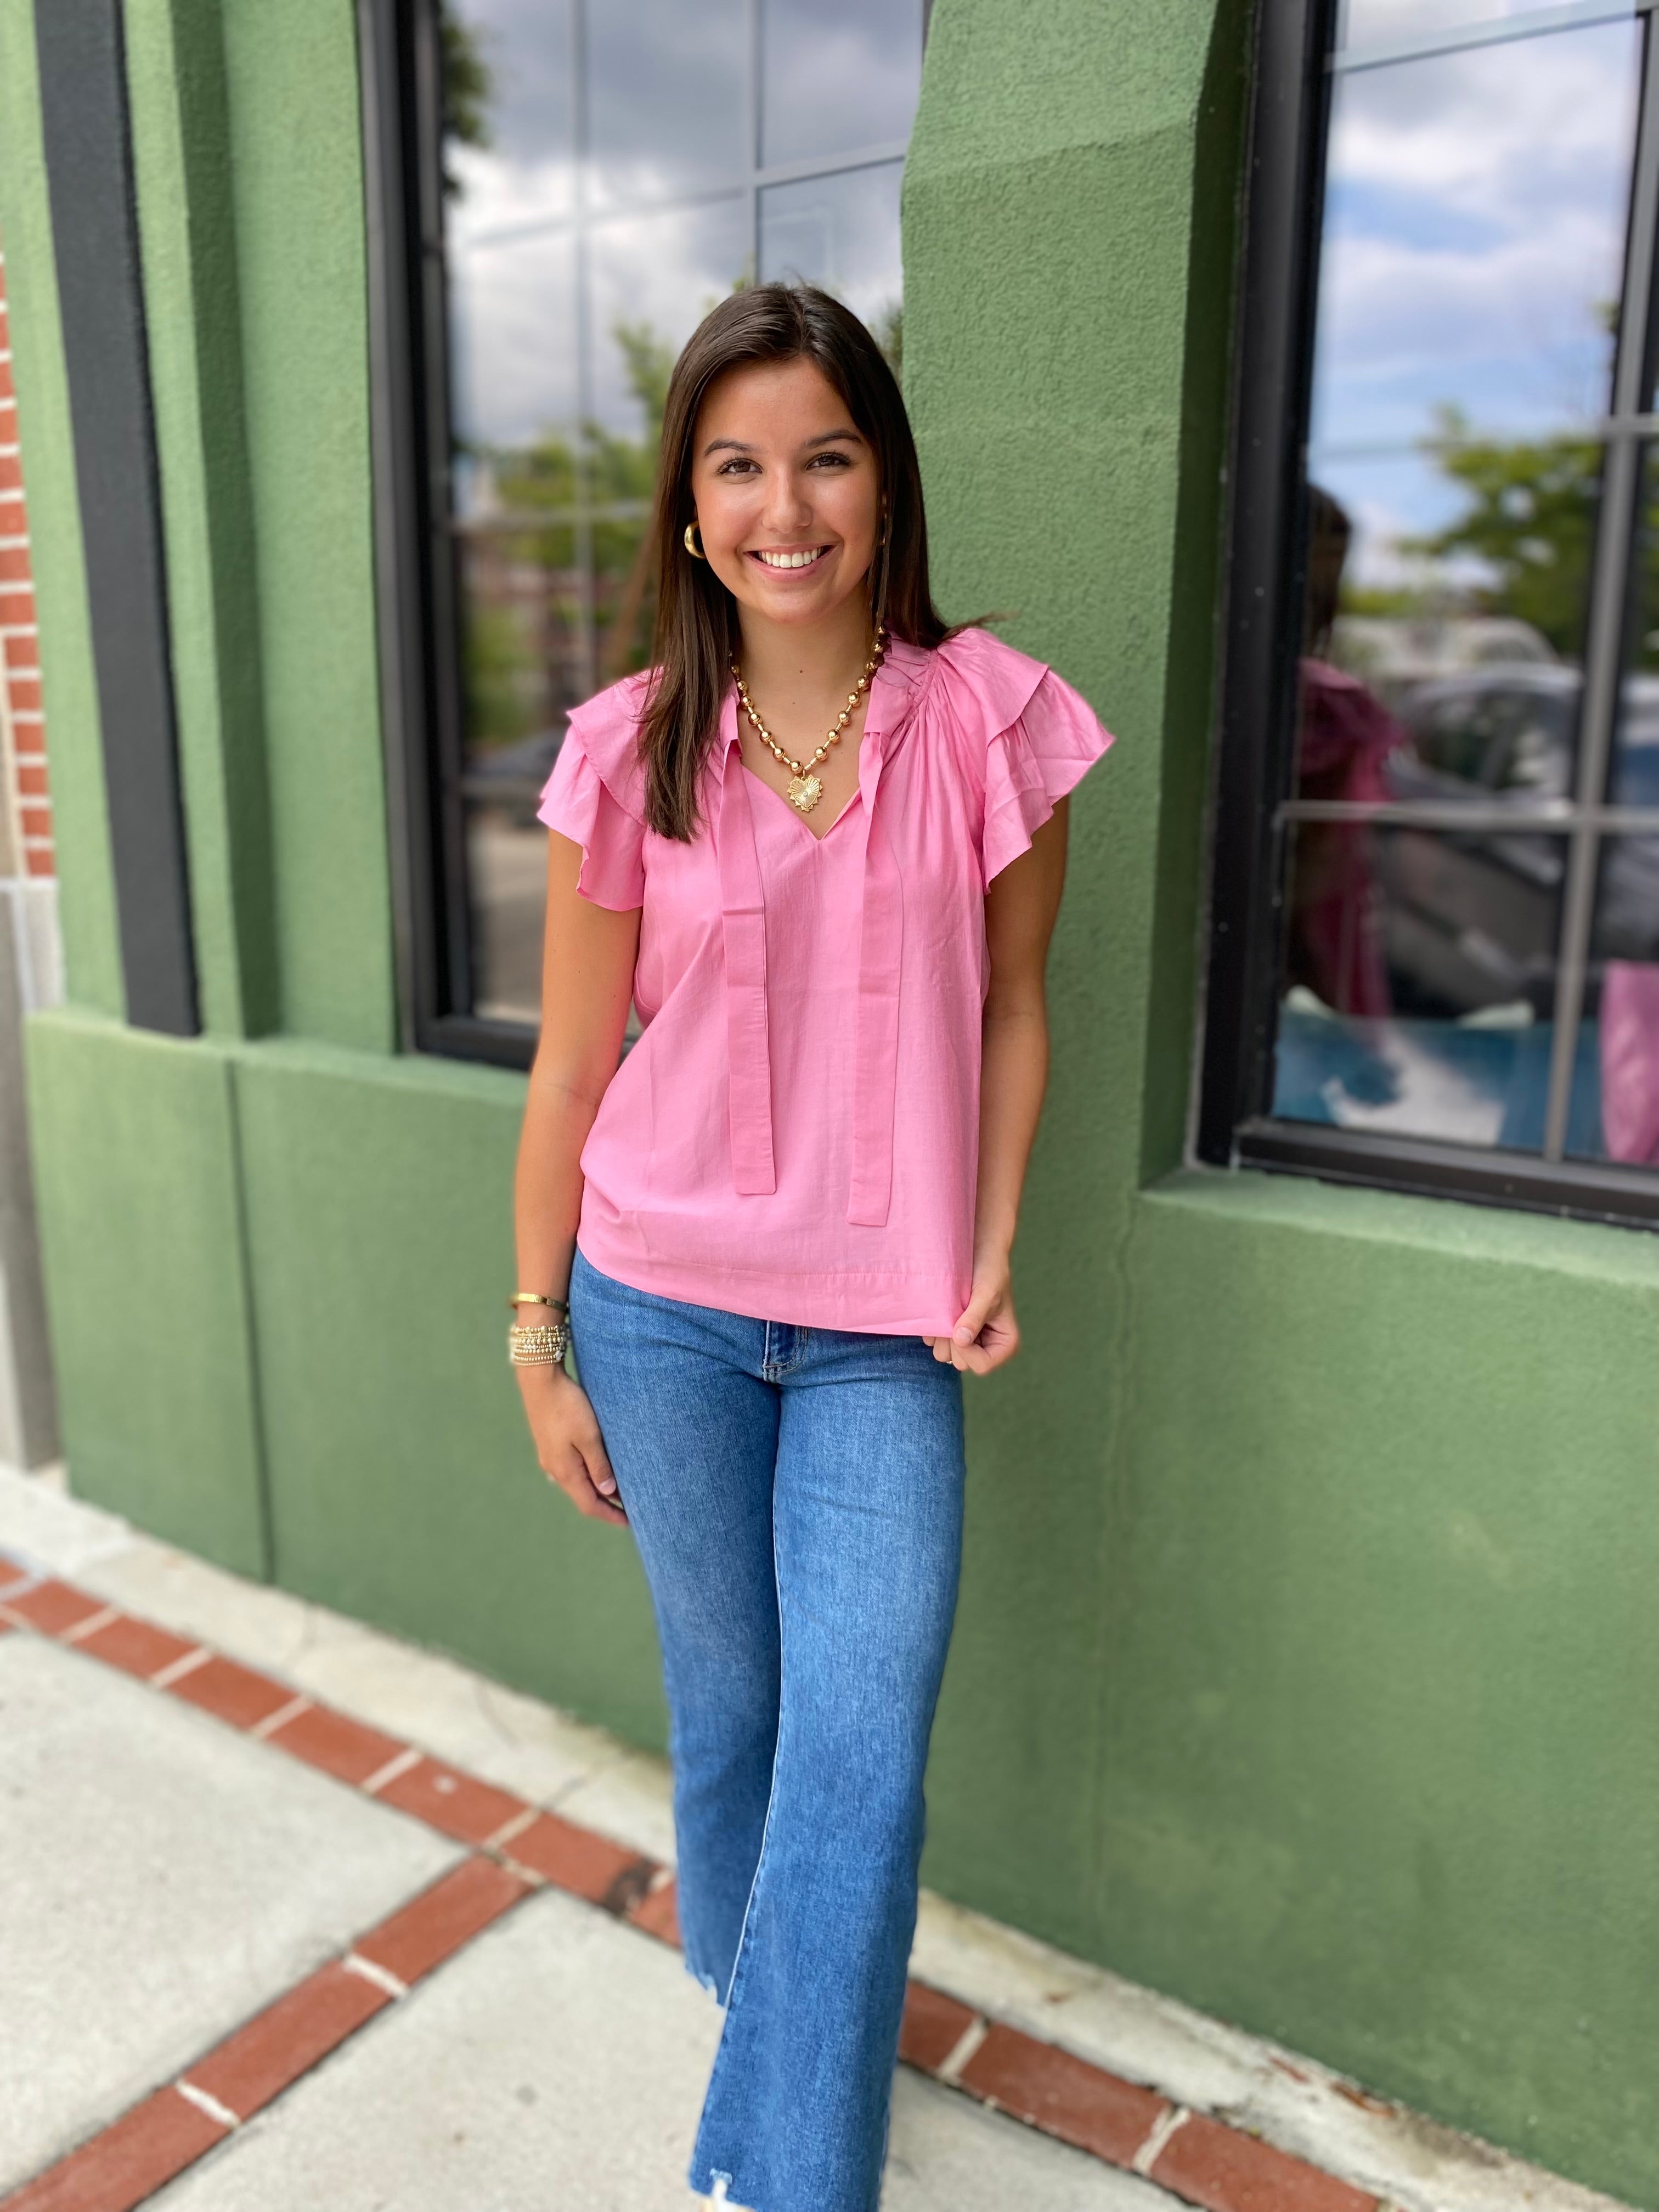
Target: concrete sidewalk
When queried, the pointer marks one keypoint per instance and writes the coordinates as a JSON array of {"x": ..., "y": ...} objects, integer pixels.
[{"x": 295, "y": 1915}]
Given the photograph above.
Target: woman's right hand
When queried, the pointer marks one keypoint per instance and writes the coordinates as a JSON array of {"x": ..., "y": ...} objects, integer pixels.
[{"x": 569, "y": 1445}]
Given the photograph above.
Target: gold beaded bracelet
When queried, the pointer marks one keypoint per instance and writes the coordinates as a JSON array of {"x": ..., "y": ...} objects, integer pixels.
[{"x": 542, "y": 1344}]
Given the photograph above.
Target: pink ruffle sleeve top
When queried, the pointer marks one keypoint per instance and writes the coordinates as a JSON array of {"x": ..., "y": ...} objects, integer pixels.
[{"x": 794, "y": 1135}]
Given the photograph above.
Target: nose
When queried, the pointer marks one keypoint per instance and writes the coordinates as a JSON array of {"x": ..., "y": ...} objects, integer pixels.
[{"x": 788, "y": 507}]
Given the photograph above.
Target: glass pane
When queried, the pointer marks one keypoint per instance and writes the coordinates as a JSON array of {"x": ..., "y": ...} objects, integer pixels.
[
  {"x": 1393, "y": 22},
  {"x": 1616, "y": 1091},
  {"x": 506, "y": 873},
  {"x": 523, "y": 656},
  {"x": 508, "y": 136},
  {"x": 1472, "y": 243},
  {"x": 515, "y": 394},
  {"x": 842, "y": 232},
  {"x": 833, "y": 80},
  {"x": 1434, "y": 672},
  {"x": 1418, "y": 982},
  {"x": 652, "y": 279},
  {"x": 665, "y": 97},
  {"x": 1469, "y": 268}
]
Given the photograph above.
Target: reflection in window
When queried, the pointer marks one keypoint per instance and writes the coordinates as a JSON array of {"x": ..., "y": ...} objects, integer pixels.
[
  {"x": 842, "y": 232},
  {"x": 1362, "y": 24},
  {"x": 1470, "y": 266},
  {"x": 600, "y": 198}
]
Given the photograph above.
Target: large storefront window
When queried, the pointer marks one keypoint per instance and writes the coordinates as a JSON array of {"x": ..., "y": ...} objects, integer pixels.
[
  {"x": 1436, "y": 953},
  {"x": 602, "y": 174}
]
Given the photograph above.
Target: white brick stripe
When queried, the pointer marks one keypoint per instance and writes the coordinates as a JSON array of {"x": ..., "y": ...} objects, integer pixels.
[
  {"x": 1166, "y": 2125},
  {"x": 399, "y": 1764},
  {"x": 281, "y": 1716},
  {"x": 105, "y": 1614},
  {"x": 382, "y": 1976},
  {"x": 186, "y": 1663},
  {"x": 210, "y": 2105},
  {"x": 964, "y": 2047}
]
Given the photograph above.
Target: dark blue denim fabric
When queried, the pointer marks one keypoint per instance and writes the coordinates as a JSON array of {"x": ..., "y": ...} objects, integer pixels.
[{"x": 796, "y": 1497}]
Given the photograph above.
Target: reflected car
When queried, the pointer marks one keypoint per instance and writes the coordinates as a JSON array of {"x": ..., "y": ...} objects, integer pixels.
[
  {"x": 1471, "y": 918},
  {"x": 512, "y": 776}
]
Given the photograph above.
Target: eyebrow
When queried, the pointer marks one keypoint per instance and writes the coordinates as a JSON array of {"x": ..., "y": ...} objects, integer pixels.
[{"x": 739, "y": 446}]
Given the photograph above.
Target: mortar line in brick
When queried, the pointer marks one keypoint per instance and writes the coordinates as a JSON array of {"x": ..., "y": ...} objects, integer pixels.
[
  {"x": 398, "y": 1763},
  {"x": 520, "y": 1820},
  {"x": 964, "y": 2049},
  {"x": 1163, "y": 2128},
  {"x": 291, "y": 1711},
  {"x": 176, "y": 1670},
  {"x": 90, "y": 1625},
  {"x": 382, "y": 1976},
  {"x": 210, "y": 2105}
]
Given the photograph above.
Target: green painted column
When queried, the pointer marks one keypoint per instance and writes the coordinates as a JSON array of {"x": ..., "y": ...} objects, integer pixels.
[
  {"x": 1065, "y": 337},
  {"x": 182, "y": 157},
  {"x": 296, "y": 190}
]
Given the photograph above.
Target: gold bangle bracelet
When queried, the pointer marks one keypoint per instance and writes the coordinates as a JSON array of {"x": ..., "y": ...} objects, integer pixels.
[
  {"x": 537, "y": 1298},
  {"x": 541, "y": 1344}
]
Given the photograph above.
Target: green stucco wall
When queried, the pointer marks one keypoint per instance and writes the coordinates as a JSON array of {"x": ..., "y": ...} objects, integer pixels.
[{"x": 1304, "y": 1659}]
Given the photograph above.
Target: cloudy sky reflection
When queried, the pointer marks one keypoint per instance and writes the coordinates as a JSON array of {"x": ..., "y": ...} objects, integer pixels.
[
  {"x": 666, "y": 230},
  {"x": 1472, "y": 245}
]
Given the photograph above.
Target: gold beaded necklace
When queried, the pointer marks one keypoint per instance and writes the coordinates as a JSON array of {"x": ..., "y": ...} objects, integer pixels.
[{"x": 805, "y": 789}]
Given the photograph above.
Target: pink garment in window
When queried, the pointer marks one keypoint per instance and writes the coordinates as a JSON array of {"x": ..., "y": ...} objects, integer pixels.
[
  {"x": 795, "y": 1134},
  {"x": 1629, "y": 1039}
]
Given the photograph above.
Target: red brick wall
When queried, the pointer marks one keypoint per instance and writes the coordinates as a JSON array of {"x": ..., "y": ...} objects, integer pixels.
[{"x": 26, "y": 800}]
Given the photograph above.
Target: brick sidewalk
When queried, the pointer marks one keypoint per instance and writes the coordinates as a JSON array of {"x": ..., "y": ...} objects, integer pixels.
[{"x": 520, "y": 1881}]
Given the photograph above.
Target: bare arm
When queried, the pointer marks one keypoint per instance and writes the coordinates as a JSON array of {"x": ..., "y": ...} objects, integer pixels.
[
  {"x": 587, "y": 983},
  {"x": 1021, "y": 906}
]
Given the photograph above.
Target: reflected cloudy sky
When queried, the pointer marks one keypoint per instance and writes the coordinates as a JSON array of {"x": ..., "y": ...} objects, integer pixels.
[
  {"x": 667, "y": 233},
  {"x": 1379, "y": 22},
  {"x": 1474, "y": 241}
]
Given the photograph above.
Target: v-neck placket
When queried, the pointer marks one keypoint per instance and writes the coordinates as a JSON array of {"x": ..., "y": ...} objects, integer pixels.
[{"x": 881, "y": 925}]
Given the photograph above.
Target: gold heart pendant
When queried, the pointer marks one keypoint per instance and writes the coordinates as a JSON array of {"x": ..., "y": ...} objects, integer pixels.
[{"x": 804, "y": 792}]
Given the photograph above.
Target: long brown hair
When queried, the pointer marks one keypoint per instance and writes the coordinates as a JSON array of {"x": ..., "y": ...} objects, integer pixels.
[{"x": 696, "y": 631}]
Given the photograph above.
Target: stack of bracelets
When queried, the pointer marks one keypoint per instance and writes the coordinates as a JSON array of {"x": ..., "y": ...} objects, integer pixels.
[{"x": 542, "y": 1343}]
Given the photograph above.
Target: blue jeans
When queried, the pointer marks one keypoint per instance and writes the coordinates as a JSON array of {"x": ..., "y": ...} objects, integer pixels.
[{"x": 796, "y": 1497}]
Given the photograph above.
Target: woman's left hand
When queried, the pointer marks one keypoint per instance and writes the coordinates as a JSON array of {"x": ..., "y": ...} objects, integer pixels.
[{"x": 987, "y": 1333}]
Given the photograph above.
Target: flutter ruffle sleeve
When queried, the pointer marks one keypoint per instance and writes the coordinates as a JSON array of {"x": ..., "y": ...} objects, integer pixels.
[
  {"x": 1040, "y": 738},
  {"x": 592, "y": 797}
]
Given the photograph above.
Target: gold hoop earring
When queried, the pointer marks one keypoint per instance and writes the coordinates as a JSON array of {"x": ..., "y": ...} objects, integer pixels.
[{"x": 691, "y": 546}]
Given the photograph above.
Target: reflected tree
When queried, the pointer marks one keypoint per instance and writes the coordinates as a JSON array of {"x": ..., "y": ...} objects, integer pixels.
[
  {"x": 467, "y": 86},
  {"x": 1529, "y": 522}
]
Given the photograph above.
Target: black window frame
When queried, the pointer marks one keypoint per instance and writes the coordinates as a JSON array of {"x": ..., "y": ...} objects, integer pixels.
[
  {"x": 1252, "y": 806},
  {"x": 402, "y": 94}
]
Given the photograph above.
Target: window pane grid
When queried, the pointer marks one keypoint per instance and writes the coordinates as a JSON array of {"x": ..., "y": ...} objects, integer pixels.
[
  {"x": 1425, "y": 917},
  {"x": 1549, "y": 814},
  {"x": 735, "y": 186},
  {"x": 616, "y": 172},
  {"x": 1370, "y": 54}
]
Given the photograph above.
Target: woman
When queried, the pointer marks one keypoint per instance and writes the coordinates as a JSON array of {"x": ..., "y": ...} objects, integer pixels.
[{"x": 820, "y": 845}]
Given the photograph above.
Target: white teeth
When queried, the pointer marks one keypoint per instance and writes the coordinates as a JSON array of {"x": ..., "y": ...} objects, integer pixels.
[{"x": 792, "y": 560}]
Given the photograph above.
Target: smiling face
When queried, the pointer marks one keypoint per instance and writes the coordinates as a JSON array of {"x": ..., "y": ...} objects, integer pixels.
[{"x": 788, "y": 506}]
